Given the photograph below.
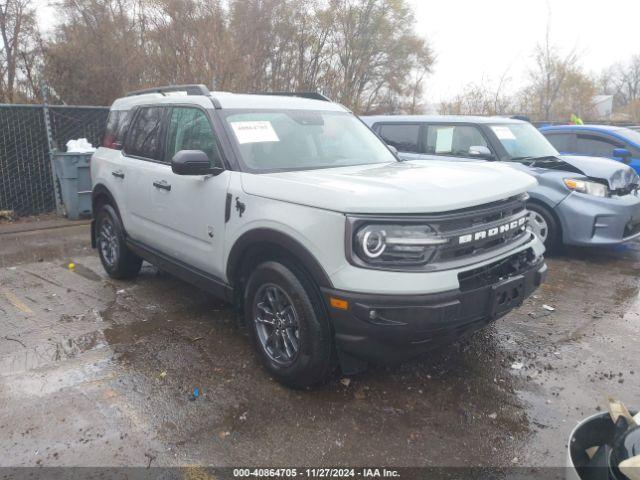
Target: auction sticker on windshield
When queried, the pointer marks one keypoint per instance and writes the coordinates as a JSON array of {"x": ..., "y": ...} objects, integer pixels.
[
  {"x": 503, "y": 133},
  {"x": 254, "y": 132}
]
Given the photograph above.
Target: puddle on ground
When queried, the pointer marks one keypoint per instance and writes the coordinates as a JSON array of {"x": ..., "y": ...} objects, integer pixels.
[
  {"x": 41, "y": 246},
  {"x": 95, "y": 366}
]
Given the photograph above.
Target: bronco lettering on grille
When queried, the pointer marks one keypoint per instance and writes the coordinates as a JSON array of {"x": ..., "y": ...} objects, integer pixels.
[{"x": 492, "y": 232}]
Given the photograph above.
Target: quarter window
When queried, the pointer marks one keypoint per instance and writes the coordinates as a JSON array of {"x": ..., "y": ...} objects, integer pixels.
[
  {"x": 143, "y": 140},
  {"x": 189, "y": 129},
  {"x": 404, "y": 137},
  {"x": 117, "y": 125},
  {"x": 452, "y": 140},
  {"x": 597, "y": 146}
]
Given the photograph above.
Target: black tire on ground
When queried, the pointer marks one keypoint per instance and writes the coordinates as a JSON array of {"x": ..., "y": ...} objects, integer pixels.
[
  {"x": 118, "y": 261},
  {"x": 313, "y": 361},
  {"x": 539, "y": 212}
]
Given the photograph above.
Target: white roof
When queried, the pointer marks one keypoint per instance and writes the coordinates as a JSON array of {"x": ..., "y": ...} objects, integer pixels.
[{"x": 228, "y": 100}]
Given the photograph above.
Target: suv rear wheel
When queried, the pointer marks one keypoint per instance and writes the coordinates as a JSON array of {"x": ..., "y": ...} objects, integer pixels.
[
  {"x": 117, "y": 260},
  {"x": 287, "y": 325}
]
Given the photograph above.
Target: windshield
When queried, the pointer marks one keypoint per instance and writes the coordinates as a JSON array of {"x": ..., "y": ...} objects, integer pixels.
[
  {"x": 629, "y": 134},
  {"x": 523, "y": 140},
  {"x": 299, "y": 140}
]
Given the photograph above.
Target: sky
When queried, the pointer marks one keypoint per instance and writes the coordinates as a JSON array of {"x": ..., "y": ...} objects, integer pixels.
[{"x": 478, "y": 41}]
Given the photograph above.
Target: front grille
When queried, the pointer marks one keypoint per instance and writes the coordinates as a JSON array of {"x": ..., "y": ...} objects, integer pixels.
[
  {"x": 473, "y": 231},
  {"x": 494, "y": 272}
]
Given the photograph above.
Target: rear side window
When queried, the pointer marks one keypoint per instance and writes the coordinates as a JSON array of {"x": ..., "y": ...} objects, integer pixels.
[
  {"x": 452, "y": 140},
  {"x": 117, "y": 124},
  {"x": 596, "y": 145},
  {"x": 143, "y": 138},
  {"x": 562, "y": 141},
  {"x": 402, "y": 136}
]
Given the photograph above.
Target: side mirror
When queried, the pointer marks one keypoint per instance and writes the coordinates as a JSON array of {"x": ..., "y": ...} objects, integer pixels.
[
  {"x": 623, "y": 154},
  {"x": 480, "y": 151},
  {"x": 191, "y": 162}
]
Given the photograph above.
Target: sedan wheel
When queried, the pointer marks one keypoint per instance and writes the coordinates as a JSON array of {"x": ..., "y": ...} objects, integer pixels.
[{"x": 539, "y": 225}]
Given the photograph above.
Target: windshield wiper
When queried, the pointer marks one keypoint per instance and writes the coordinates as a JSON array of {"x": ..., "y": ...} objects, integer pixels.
[{"x": 532, "y": 160}]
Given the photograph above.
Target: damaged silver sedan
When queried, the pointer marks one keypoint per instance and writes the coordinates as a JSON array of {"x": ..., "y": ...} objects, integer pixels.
[{"x": 578, "y": 200}]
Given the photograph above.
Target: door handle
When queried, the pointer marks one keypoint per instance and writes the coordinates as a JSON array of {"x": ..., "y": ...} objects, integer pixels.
[
  {"x": 118, "y": 173},
  {"x": 163, "y": 185}
]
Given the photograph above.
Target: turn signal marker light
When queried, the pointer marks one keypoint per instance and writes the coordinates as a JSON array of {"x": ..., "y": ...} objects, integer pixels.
[{"x": 339, "y": 303}]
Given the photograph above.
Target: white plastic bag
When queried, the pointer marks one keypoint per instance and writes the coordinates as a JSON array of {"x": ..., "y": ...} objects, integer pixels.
[{"x": 81, "y": 145}]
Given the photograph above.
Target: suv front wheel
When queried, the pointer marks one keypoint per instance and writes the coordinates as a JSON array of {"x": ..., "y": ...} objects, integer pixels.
[
  {"x": 287, "y": 325},
  {"x": 118, "y": 261}
]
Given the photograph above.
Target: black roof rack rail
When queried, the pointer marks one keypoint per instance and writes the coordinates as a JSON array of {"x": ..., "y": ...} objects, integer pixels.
[
  {"x": 193, "y": 89},
  {"x": 311, "y": 95}
]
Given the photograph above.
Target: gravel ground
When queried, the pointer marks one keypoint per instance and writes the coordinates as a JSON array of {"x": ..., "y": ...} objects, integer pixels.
[{"x": 96, "y": 372}]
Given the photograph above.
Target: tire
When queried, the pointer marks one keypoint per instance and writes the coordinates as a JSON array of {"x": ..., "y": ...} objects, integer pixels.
[
  {"x": 544, "y": 224},
  {"x": 118, "y": 261},
  {"x": 287, "y": 325}
]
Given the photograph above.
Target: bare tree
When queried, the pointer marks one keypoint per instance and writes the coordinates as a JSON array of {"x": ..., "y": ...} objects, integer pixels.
[
  {"x": 629, "y": 80},
  {"x": 363, "y": 53},
  {"x": 480, "y": 99},
  {"x": 550, "y": 73},
  {"x": 18, "y": 32},
  {"x": 376, "y": 52},
  {"x": 95, "y": 54},
  {"x": 557, "y": 85}
]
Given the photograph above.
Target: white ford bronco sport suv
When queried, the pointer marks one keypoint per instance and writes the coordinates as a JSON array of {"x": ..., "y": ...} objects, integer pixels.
[{"x": 288, "y": 206}]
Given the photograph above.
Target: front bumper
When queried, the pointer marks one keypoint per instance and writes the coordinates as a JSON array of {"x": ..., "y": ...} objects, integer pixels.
[
  {"x": 589, "y": 220},
  {"x": 394, "y": 328}
]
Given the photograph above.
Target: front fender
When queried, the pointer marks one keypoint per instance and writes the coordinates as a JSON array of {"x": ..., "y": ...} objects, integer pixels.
[
  {"x": 551, "y": 189},
  {"x": 262, "y": 236}
]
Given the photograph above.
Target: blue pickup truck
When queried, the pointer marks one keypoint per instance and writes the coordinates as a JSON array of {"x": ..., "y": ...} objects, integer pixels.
[{"x": 617, "y": 143}]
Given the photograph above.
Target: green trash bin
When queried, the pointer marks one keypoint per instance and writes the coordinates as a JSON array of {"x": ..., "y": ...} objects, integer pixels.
[{"x": 74, "y": 178}]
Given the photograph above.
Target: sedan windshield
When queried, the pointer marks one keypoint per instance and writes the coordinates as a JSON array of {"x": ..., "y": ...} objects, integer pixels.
[
  {"x": 523, "y": 141},
  {"x": 276, "y": 140},
  {"x": 630, "y": 134}
]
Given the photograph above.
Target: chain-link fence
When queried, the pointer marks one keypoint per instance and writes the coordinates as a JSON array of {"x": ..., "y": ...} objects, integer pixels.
[{"x": 26, "y": 185}]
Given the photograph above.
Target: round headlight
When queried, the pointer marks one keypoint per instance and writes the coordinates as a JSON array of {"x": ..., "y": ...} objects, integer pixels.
[
  {"x": 373, "y": 243},
  {"x": 396, "y": 244}
]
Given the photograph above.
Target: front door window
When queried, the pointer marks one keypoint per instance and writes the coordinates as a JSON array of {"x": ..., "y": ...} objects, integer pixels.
[{"x": 189, "y": 129}]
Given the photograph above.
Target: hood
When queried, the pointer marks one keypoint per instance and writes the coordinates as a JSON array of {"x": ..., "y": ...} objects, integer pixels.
[
  {"x": 402, "y": 187},
  {"x": 617, "y": 174}
]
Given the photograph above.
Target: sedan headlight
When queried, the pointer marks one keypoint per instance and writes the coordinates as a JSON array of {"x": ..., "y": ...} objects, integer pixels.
[
  {"x": 387, "y": 244},
  {"x": 585, "y": 186}
]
